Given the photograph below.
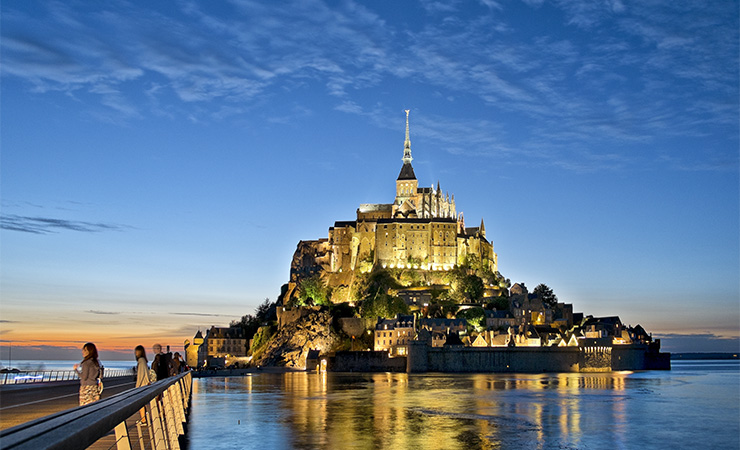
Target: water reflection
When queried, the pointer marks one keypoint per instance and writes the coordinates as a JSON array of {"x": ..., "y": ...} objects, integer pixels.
[{"x": 481, "y": 411}]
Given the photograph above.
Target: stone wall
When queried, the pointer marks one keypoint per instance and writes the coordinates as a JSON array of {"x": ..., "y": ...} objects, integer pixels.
[
  {"x": 423, "y": 358},
  {"x": 366, "y": 362},
  {"x": 497, "y": 359},
  {"x": 639, "y": 357},
  {"x": 459, "y": 359},
  {"x": 288, "y": 316}
]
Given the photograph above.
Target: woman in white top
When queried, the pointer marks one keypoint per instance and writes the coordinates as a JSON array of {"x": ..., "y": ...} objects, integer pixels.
[{"x": 142, "y": 374}]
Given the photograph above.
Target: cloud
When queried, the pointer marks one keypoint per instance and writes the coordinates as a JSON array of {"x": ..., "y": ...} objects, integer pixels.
[
  {"x": 648, "y": 70},
  {"x": 706, "y": 342},
  {"x": 46, "y": 225},
  {"x": 91, "y": 311},
  {"x": 198, "y": 314}
]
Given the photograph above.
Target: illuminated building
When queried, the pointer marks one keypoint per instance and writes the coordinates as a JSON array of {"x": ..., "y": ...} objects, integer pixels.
[
  {"x": 421, "y": 229},
  {"x": 393, "y": 335}
]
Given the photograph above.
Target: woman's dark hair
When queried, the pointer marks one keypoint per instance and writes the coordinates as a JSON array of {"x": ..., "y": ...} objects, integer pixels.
[
  {"x": 92, "y": 353},
  {"x": 140, "y": 348}
]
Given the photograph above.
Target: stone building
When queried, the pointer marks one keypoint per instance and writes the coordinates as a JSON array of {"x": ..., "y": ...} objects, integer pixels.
[
  {"x": 394, "y": 335},
  {"x": 421, "y": 229},
  {"x": 221, "y": 343},
  {"x": 192, "y": 348}
]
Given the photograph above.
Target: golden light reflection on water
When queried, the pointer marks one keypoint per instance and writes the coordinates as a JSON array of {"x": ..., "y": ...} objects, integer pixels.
[{"x": 392, "y": 410}]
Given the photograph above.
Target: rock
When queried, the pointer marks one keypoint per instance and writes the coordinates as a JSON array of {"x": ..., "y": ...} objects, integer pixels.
[{"x": 290, "y": 345}]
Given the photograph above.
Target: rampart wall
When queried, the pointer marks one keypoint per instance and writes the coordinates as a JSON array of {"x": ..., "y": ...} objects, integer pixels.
[
  {"x": 366, "y": 362},
  {"x": 451, "y": 359},
  {"x": 423, "y": 358}
]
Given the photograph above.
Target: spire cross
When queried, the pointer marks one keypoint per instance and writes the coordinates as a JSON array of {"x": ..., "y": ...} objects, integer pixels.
[{"x": 407, "y": 143}]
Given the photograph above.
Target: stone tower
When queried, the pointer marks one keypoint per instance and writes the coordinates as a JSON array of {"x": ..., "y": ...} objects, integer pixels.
[{"x": 406, "y": 183}]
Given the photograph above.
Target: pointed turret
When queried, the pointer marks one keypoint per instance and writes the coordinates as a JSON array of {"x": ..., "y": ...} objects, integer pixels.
[
  {"x": 482, "y": 228},
  {"x": 406, "y": 183},
  {"x": 407, "y": 143},
  {"x": 407, "y": 171}
]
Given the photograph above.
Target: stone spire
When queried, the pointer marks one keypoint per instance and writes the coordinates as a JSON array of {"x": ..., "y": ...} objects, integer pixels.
[{"x": 407, "y": 143}]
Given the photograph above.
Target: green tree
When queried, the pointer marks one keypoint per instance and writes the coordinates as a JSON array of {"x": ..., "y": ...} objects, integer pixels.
[
  {"x": 546, "y": 295},
  {"x": 383, "y": 305},
  {"x": 313, "y": 291},
  {"x": 250, "y": 323},
  {"x": 476, "y": 317}
]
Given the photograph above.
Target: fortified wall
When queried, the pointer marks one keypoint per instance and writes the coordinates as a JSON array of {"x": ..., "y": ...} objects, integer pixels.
[{"x": 423, "y": 358}]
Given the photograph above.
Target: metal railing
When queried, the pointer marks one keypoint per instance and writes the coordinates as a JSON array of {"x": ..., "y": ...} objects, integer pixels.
[
  {"x": 45, "y": 376},
  {"x": 165, "y": 402}
]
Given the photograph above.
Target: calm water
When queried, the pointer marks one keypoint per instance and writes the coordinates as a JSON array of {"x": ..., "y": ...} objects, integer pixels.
[
  {"x": 696, "y": 405},
  {"x": 33, "y": 364}
]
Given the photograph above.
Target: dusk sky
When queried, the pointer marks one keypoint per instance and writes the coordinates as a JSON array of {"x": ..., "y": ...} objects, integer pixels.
[{"x": 161, "y": 160}]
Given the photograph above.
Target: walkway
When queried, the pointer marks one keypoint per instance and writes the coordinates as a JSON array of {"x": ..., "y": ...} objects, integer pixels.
[{"x": 21, "y": 403}]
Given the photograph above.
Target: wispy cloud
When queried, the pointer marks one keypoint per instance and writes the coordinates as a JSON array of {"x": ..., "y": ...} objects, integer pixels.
[
  {"x": 644, "y": 70},
  {"x": 700, "y": 342},
  {"x": 46, "y": 225},
  {"x": 198, "y": 314}
]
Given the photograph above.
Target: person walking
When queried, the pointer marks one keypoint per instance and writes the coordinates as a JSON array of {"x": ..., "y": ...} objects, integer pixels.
[
  {"x": 161, "y": 363},
  {"x": 142, "y": 375},
  {"x": 90, "y": 372},
  {"x": 142, "y": 370}
]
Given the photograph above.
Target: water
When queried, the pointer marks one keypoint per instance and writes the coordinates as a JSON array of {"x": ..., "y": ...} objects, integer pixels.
[
  {"x": 39, "y": 365},
  {"x": 696, "y": 405}
]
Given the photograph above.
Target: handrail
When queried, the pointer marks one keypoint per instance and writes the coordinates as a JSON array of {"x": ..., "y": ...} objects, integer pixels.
[
  {"x": 46, "y": 376},
  {"x": 166, "y": 403}
]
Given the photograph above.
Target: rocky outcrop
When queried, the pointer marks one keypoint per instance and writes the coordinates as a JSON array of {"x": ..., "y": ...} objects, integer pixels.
[{"x": 290, "y": 345}]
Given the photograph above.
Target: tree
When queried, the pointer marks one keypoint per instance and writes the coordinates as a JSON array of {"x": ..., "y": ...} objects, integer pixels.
[
  {"x": 383, "y": 305},
  {"x": 313, "y": 291},
  {"x": 546, "y": 295},
  {"x": 250, "y": 323},
  {"x": 476, "y": 317},
  {"x": 265, "y": 311}
]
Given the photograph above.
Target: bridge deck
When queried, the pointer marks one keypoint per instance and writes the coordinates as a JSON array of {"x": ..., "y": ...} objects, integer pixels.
[
  {"x": 24, "y": 402},
  {"x": 47, "y": 415}
]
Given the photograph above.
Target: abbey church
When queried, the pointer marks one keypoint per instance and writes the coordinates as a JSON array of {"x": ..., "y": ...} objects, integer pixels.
[{"x": 421, "y": 229}]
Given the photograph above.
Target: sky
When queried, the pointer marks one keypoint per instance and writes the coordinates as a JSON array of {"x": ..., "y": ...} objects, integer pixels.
[{"x": 160, "y": 161}]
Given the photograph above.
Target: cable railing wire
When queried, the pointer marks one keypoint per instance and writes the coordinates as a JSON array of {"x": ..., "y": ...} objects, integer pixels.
[{"x": 47, "y": 376}]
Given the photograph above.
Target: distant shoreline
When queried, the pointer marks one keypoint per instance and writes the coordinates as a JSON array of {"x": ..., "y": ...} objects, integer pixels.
[{"x": 703, "y": 356}]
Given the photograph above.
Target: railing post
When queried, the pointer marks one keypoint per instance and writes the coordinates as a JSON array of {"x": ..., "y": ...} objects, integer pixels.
[
  {"x": 141, "y": 435},
  {"x": 171, "y": 420},
  {"x": 122, "y": 440},
  {"x": 177, "y": 404},
  {"x": 156, "y": 433}
]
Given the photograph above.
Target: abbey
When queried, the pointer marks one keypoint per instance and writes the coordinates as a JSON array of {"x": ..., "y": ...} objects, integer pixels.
[{"x": 421, "y": 229}]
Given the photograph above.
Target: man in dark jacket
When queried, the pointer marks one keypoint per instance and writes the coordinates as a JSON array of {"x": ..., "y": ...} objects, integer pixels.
[{"x": 161, "y": 363}]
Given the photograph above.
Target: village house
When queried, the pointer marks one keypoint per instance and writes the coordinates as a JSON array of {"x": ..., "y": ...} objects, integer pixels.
[
  {"x": 394, "y": 335},
  {"x": 220, "y": 344}
]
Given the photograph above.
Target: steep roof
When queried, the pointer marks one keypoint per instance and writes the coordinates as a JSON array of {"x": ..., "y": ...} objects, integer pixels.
[{"x": 407, "y": 172}]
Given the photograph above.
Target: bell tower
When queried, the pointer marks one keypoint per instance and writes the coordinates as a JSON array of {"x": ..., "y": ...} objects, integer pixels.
[{"x": 406, "y": 183}]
